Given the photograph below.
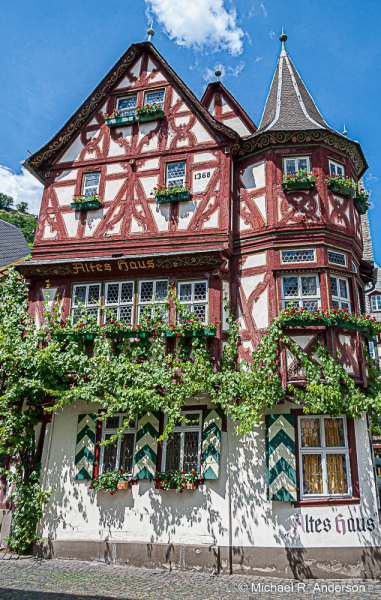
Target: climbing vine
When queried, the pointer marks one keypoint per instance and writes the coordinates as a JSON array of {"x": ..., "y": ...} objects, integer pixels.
[{"x": 42, "y": 369}]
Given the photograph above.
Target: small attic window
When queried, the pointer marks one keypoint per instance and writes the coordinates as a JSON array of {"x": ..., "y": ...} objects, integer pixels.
[
  {"x": 155, "y": 97},
  {"x": 128, "y": 105},
  {"x": 296, "y": 163},
  {"x": 175, "y": 174},
  {"x": 91, "y": 184},
  {"x": 336, "y": 169}
]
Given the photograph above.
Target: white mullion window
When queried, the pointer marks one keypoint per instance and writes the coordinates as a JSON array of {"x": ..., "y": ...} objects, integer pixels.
[
  {"x": 119, "y": 300},
  {"x": 90, "y": 186},
  {"x": 183, "y": 449},
  {"x": 152, "y": 293},
  {"x": 301, "y": 290},
  {"x": 155, "y": 97},
  {"x": 119, "y": 455},
  {"x": 85, "y": 295},
  {"x": 194, "y": 296},
  {"x": 324, "y": 457},
  {"x": 336, "y": 169},
  {"x": 337, "y": 258},
  {"x": 296, "y": 163},
  {"x": 127, "y": 105},
  {"x": 175, "y": 174},
  {"x": 376, "y": 303},
  {"x": 340, "y": 292}
]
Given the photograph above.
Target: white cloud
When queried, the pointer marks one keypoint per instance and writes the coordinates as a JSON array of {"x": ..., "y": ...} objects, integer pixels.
[
  {"x": 199, "y": 24},
  {"x": 370, "y": 177},
  {"x": 263, "y": 9},
  {"x": 23, "y": 187},
  {"x": 272, "y": 35},
  {"x": 209, "y": 74},
  {"x": 258, "y": 59},
  {"x": 254, "y": 12}
]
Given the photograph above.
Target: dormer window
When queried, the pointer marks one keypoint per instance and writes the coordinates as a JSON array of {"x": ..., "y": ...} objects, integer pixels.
[
  {"x": 90, "y": 185},
  {"x": 336, "y": 169},
  {"x": 127, "y": 105},
  {"x": 155, "y": 97},
  {"x": 297, "y": 163}
]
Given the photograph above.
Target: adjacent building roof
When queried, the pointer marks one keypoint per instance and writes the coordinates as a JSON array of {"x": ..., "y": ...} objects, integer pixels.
[
  {"x": 289, "y": 105},
  {"x": 13, "y": 245}
]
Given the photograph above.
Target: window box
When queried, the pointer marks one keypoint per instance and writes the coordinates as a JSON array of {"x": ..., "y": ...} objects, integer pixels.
[
  {"x": 343, "y": 190},
  {"x": 60, "y": 336},
  {"x": 171, "y": 334},
  {"x": 143, "y": 335},
  {"x": 122, "y": 121},
  {"x": 121, "y": 335},
  {"x": 89, "y": 203},
  {"x": 351, "y": 325},
  {"x": 153, "y": 115},
  {"x": 124, "y": 485},
  {"x": 173, "y": 197},
  {"x": 298, "y": 185},
  {"x": 307, "y": 322},
  {"x": 205, "y": 332},
  {"x": 361, "y": 205}
]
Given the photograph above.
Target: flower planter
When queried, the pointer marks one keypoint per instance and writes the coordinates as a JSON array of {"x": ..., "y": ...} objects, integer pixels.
[
  {"x": 75, "y": 337},
  {"x": 143, "y": 335},
  {"x": 361, "y": 205},
  {"x": 150, "y": 116},
  {"x": 176, "y": 197},
  {"x": 343, "y": 190},
  {"x": 60, "y": 336},
  {"x": 121, "y": 335},
  {"x": 194, "y": 333},
  {"x": 171, "y": 334},
  {"x": 124, "y": 485},
  {"x": 350, "y": 325},
  {"x": 209, "y": 332},
  {"x": 89, "y": 336},
  {"x": 190, "y": 485},
  {"x": 87, "y": 205},
  {"x": 121, "y": 121},
  {"x": 289, "y": 186},
  {"x": 306, "y": 322}
]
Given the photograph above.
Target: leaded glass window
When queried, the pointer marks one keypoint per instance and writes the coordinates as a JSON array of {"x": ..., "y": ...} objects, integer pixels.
[
  {"x": 91, "y": 184},
  {"x": 296, "y": 163},
  {"x": 128, "y": 105},
  {"x": 376, "y": 303},
  {"x": 120, "y": 454},
  {"x": 119, "y": 301},
  {"x": 324, "y": 456},
  {"x": 194, "y": 296},
  {"x": 340, "y": 292},
  {"x": 295, "y": 256},
  {"x": 152, "y": 293},
  {"x": 154, "y": 97},
  {"x": 301, "y": 290},
  {"x": 176, "y": 174},
  {"x": 337, "y": 258},
  {"x": 182, "y": 450},
  {"x": 88, "y": 296},
  {"x": 336, "y": 169}
]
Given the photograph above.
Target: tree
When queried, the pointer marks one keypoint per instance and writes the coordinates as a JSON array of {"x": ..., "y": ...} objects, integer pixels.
[
  {"x": 5, "y": 201},
  {"x": 22, "y": 206}
]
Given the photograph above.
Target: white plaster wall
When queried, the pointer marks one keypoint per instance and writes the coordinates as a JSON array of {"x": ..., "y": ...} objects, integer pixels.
[
  {"x": 198, "y": 517},
  {"x": 253, "y": 176},
  {"x": 237, "y": 125},
  {"x": 64, "y": 194},
  {"x": 73, "y": 151}
]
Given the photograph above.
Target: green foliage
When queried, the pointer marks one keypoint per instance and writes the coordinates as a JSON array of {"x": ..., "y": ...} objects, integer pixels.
[
  {"x": 5, "y": 201},
  {"x": 22, "y": 206},
  {"x": 177, "y": 480},
  {"x": 108, "y": 482},
  {"x": 27, "y": 223}
]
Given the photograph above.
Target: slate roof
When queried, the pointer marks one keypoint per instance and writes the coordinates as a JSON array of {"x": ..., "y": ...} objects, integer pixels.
[
  {"x": 289, "y": 105},
  {"x": 13, "y": 245}
]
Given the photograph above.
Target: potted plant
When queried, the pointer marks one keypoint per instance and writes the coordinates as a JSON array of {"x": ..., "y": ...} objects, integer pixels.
[
  {"x": 361, "y": 201},
  {"x": 112, "y": 482},
  {"x": 299, "y": 180},
  {"x": 293, "y": 316},
  {"x": 172, "y": 193},
  {"x": 86, "y": 202},
  {"x": 341, "y": 185},
  {"x": 119, "y": 118},
  {"x": 149, "y": 112},
  {"x": 117, "y": 330},
  {"x": 177, "y": 480}
]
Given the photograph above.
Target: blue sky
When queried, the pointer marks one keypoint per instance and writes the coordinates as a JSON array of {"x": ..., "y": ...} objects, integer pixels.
[{"x": 55, "y": 53}]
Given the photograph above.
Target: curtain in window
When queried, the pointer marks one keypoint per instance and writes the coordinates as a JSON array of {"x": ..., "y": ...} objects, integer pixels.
[
  {"x": 312, "y": 474},
  {"x": 334, "y": 432},
  {"x": 337, "y": 474}
]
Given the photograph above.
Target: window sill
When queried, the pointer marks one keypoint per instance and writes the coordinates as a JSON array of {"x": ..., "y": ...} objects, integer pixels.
[{"x": 326, "y": 502}]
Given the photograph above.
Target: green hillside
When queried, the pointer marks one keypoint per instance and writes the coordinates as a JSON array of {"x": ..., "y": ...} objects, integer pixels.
[{"x": 27, "y": 223}]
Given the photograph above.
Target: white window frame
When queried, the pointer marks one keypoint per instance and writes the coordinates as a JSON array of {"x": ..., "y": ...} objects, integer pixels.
[
  {"x": 118, "y": 305},
  {"x": 85, "y": 304},
  {"x": 112, "y": 431},
  {"x": 323, "y": 450},
  {"x": 337, "y": 263},
  {"x": 192, "y": 303},
  {"x": 127, "y": 111},
  {"x": 297, "y": 250},
  {"x": 334, "y": 167},
  {"x": 175, "y": 179},
  {"x": 300, "y": 298},
  {"x": 85, "y": 187},
  {"x": 154, "y": 301},
  {"x": 372, "y": 349},
  {"x": 182, "y": 429},
  {"x": 339, "y": 299},
  {"x": 296, "y": 159},
  {"x": 160, "y": 104},
  {"x": 375, "y": 308}
]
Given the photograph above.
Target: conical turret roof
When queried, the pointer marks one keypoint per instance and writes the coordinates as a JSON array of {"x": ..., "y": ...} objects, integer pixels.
[{"x": 289, "y": 105}]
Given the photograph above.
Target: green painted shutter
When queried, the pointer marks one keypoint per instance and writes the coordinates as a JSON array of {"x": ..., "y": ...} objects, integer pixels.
[
  {"x": 85, "y": 447},
  {"x": 211, "y": 443},
  {"x": 280, "y": 458},
  {"x": 146, "y": 445}
]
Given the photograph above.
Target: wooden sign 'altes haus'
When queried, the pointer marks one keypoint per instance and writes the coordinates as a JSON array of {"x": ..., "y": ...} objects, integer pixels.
[{"x": 190, "y": 192}]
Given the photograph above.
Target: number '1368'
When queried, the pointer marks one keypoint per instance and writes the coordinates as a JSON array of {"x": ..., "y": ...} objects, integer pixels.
[{"x": 203, "y": 175}]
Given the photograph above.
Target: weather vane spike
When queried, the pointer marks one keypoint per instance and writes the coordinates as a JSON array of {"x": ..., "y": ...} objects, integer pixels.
[
  {"x": 345, "y": 132},
  {"x": 151, "y": 32},
  {"x": 218, "y": 73},
  {"x": 283, "y": 38}
]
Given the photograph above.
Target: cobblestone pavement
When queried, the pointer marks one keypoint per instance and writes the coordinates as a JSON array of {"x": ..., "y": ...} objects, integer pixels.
[{"x": 34, "y": 579}]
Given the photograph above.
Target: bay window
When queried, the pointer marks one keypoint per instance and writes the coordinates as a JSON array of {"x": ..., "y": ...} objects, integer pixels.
[
  {"x": 296, "y": 163},
  {"x": 301, "y": 290},
  {"x": 336, "y": 169},
  {"x": 340, "y": 292}
]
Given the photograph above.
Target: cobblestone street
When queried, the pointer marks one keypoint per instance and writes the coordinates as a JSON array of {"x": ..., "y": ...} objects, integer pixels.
[{"x": 33, "y": 579}]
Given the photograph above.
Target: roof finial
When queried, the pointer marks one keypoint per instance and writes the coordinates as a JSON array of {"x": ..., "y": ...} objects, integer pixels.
[
  {"x": 345, "y": 132},
  {"x": 218, "y": 73},
  {"x": 151, "y": 32},
  {"x": 283, "y": 38}
]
